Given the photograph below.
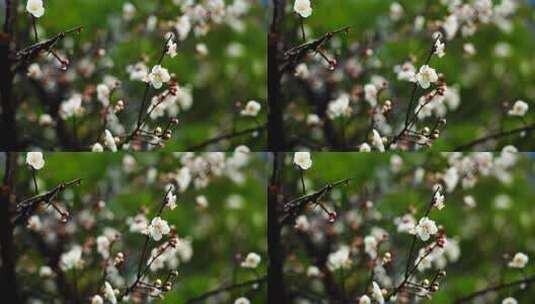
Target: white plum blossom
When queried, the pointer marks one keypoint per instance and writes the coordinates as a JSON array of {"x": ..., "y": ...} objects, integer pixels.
[
  {"x": 425, "y": 228},
  {"x": 469, "y": 201},
  {"x": 396, "y": 11},
  {"x": 406, "y": 71},
  {"x": 406, "y": 223},
  {"x": 109, "y": 141},
  {"x": 339, "y": 259},
  {"x": 97, "y": 147},
  {"x": 439, "y": 48},
  {"x": 103, "y": 246},
  {"x": 509, "y": 300},
  {"x": 109, "y": 293},
  {"x": 45, "y": 272},
  {"x": 35, "y": 7},
  {"x": 138, "y": 224},
  {"x": 34, "y": 71},
  {"x": 520, "y": 260},
  {"x": 129, "y": 11},
  {"x": 377, "y": 293},
  {"x": 301, "y": 223},
  {"x": 72, "y": 258},
  {"x": 171, "y": 200},
  {"x": 171, "y": 48},
  {"x": 138, "y": 71},
  {"x": 377, "y": 141},
  {"x": 426, "y": 76},
  {"x": 339, "y": 107},
  {"x": 34, "y": 223},
  {"x": 35, "y": 160},
  {"x": 370, "y": 246},
  {"x": 520, "y": 108},
  {"x": 251, "y": 109},
  {"x": 251, "y": 261},
  {"x": 158, "y": 228},
  {"x": 438, "y": 200},
  {"x": 201, "y": 201},
  {"x": 303, "y": 8},
  {"x": 71, "y": 107},
  {"x": 370, "y": 94},
  {"x": 242, "y": 300},
  {"x": 103, "y": 94},
  {"x": 365, "y": 300},
  {"x": 97, "y": 299},
  {"x": 303, "y": 160},
  {"x": 158, "y": 76},
  {"x": 364, "y": 147},
  {"x": 313, "y": 271}
]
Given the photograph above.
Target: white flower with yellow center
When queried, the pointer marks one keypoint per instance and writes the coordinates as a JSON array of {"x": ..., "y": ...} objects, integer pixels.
[
  {"x": 520, "y": 260},
  {"x": 519, "y": 108},
  {"x": 303, "y": 160},
  {"x": 251, "y": 109},
  {"x": 35, "y": 7},
  {"x": 426, "y": 76},
  {"x": 35, "y": 160},
  {"x": 303, "y": 8},
  {"x": 251, "y": 261},
  {"x": 425, "y": 228},
  {"x": 242, "y": 300},
  {"x": 158, "y": 228},
  {"x": 158, "y": 76}
]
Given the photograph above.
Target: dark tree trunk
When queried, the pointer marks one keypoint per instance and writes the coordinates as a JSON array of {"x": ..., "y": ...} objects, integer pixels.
[
  {"x": 8, "y": 138},
  {"x": 276, "y": 138},
  {"x": 276, "y": 288},
  {"x": 7, "y": 198}
]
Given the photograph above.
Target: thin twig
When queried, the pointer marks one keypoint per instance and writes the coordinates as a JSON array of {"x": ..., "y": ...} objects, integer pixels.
[
  {"x": 498, "y": 135},
  {"x": 214, "y": 292},
  {"x": 478, "y": 293},
  {"x": 226, "y": 137}
]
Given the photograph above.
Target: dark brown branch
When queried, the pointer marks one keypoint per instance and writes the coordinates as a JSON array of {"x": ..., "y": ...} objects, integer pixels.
[
  {"x": 25, "y": 56},
  {"x": 295, "y": 55},
  {"x": 499, "y": 135},
  {"x": 27, "y": 207},
  {"x": 296, "y": 206},
  {"x": 526, "y": 281},
  {"x": 228, "y": 136},
  {"x": 202, "y": 298}
]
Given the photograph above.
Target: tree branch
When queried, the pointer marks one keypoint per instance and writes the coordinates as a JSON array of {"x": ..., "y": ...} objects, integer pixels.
[
  {"x": 296, "y": 206},
  {"x": 214, "y": 292},
  {"x": 227, "y": 136},
  {"x": 27, "y": 207},
  {"x": 476, "y": 294},
  {"x": 476, "y": 142}
]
